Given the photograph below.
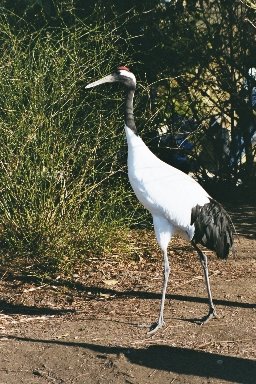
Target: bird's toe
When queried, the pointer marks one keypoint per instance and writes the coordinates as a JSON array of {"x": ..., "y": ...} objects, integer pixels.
[
  {"x": 211, "y": 315},
  {"x": 155, "y": 327}
]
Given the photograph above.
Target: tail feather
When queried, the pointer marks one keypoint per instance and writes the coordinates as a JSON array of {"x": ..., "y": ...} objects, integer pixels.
[{"x": 213, "y": 228}]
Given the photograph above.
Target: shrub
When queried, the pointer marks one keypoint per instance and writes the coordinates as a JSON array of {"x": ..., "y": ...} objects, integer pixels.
[{"x": 63, "y": 195}]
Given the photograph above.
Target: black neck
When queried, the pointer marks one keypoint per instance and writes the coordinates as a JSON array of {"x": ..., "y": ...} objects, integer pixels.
[{"x": 129, "y": 118}]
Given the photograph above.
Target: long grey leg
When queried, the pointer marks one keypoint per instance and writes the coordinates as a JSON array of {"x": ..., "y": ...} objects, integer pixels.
[
  {"x": 203, "y": 259},
  {"x": 155, "y": 326},
  {"x": 163, "y": 231}
]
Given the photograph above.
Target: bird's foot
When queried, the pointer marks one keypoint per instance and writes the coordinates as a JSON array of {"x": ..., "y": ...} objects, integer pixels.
[
  {"x": 155, "y": 327},
  {"x": 211, "y": 315}
]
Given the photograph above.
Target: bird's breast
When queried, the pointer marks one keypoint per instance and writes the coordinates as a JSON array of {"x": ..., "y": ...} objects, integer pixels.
[{"x": 142, "y": 186}]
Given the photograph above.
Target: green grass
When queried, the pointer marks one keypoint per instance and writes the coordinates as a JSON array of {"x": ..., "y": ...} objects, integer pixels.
[{"x": 64, "y": 193}]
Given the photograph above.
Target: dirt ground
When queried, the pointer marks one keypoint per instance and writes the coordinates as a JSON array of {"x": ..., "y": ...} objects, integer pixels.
[{"x": 93, "y": 328}]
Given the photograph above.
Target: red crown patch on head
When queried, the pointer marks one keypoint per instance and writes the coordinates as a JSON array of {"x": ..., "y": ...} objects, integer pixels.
[{"x": 123, "y": 68}]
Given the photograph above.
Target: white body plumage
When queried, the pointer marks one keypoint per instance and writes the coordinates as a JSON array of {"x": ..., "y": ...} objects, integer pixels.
[{"x": 165, "y": 191}]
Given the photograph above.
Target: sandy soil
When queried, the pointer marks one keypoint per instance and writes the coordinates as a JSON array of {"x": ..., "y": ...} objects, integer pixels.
[{"x": 93, "y": 328}]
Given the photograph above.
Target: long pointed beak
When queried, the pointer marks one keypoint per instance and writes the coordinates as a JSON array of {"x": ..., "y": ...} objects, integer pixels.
[{"x": 106, "y": 79}]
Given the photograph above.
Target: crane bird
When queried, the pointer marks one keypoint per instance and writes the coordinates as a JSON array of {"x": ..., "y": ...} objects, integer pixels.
[{"x": 177, "y": 203}]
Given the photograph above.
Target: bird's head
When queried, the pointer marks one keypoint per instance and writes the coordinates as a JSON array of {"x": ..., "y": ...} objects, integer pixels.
[{"x": 122, "y": 75}]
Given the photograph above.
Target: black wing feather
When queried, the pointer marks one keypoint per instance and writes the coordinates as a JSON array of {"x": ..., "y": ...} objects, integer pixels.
[{"x": 213, "y": 228}]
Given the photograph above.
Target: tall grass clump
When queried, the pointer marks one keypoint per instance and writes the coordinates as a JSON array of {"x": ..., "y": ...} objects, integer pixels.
[{"x": 63, "y": 195}]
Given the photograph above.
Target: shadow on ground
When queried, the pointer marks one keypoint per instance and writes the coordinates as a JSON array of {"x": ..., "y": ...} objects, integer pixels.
[
  {"x": 20, "y": 309},
  {"x": 94, "y": 292},
  {"x": 172, "y": 359}
]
